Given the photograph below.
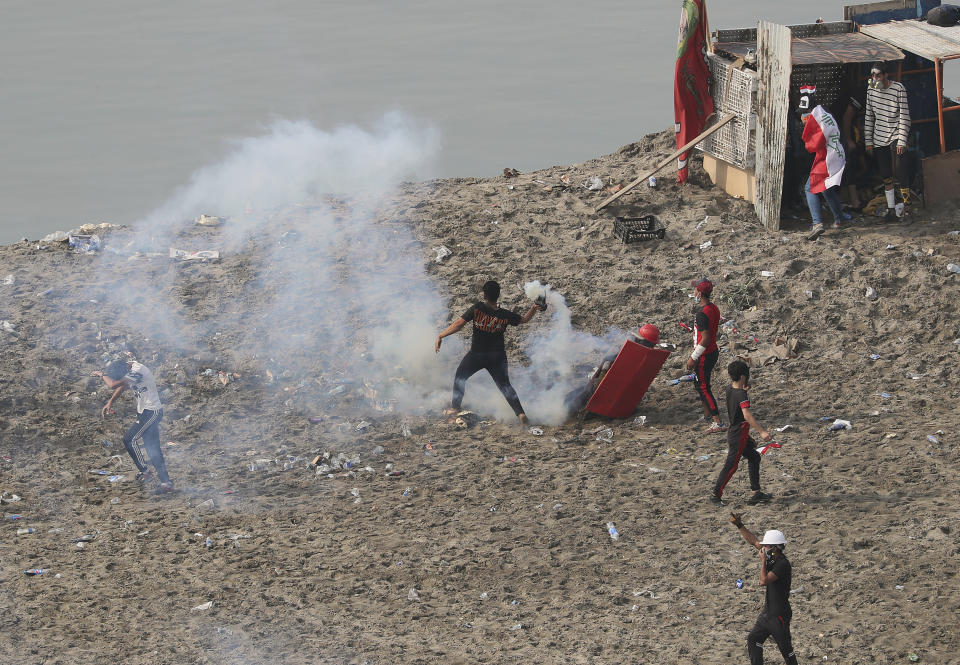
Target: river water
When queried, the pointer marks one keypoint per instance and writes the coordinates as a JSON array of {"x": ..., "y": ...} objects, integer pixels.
[{"x": 111, "y": 105}]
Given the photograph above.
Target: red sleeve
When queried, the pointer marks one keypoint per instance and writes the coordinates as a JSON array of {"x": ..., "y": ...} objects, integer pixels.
[{"x": 745, "y": 404}]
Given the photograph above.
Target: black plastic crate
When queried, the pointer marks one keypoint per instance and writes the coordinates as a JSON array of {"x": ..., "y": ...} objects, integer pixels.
[{"x": 634, "y": 229}]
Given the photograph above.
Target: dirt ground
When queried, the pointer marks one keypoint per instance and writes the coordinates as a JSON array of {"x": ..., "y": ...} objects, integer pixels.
[{"x": 488, "y": 544}]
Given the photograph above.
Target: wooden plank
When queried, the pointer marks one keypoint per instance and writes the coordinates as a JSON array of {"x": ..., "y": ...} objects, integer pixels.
[
  {"x": 666, "y": 162},
  {"x": 773, "y": 98}
]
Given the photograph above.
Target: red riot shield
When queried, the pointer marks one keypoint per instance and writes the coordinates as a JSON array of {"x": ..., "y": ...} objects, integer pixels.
[{"x": 627, "y": 380}]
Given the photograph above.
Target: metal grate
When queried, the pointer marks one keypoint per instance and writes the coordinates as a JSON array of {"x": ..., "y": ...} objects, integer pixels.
[
  {"x": 734, "y": 91},
  {"x": 828, "y": 78}
]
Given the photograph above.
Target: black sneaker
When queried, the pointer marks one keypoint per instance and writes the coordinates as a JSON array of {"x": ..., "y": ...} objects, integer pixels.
[
  {"x": 717, "y": 501},
  {"x": 759, "y": 497}
]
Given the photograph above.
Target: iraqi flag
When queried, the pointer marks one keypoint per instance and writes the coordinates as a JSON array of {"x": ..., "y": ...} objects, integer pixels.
[
  {"x": 821, "y": 135},
  {"x": 692, "y": 102}
]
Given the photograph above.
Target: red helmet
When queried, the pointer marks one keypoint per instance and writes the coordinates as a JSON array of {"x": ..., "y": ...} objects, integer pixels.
[{"x": 649, "y": 332}]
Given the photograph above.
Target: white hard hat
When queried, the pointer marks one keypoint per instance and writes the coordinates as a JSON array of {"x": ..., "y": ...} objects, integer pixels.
[{"x": 774, "y": 537}]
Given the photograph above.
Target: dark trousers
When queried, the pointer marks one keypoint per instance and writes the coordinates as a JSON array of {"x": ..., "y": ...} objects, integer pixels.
[
  {"x": 147, "y": 430},
  {"x": 778, "y": 628},
  {"x": 495, "y": 362},
  {"x": 742, "y": 446},
  {"x": 889, "y": 165},
  {"x": 703, "y": 370}
]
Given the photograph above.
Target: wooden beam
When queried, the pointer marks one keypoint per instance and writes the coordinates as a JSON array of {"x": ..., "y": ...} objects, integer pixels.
[{"x": 679, "y": 151}]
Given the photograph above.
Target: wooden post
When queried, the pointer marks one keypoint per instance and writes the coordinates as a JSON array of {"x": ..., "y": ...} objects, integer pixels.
[{"x": 679, "y": 151}]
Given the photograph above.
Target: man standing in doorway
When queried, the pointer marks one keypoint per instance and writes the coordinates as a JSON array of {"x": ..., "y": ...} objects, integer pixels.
[
  {"x": 705, "y": 351},
  {"x": 886, "y": 127},
  {"x": 775, "y": 576}
]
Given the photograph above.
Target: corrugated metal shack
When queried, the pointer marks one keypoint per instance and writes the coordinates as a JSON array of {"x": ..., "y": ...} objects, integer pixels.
[{"x": 758, "y": 73}]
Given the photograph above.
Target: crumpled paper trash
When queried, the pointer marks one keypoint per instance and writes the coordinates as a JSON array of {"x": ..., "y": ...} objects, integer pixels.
[{"x": 781, "y": 349}]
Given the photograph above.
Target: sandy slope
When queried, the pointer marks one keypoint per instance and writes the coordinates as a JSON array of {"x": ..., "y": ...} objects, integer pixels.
[{"x": 502, "y": 531}]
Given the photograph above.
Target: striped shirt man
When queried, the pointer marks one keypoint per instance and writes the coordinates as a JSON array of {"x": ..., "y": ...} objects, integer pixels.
[{"x": 887, "y": 118}]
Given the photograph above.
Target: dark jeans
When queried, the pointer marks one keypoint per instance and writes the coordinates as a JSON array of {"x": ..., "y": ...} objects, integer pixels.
[
  {"x": 147, "y": 429},
  {"x": 495, "y": 362},
  {"x": 778, "y": 628},
  {"x": 741, "y": 446},
  {"x": 703, "y": 370}
]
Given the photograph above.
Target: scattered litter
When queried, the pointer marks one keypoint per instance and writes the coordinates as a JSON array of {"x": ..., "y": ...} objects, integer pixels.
[
  {"x": 840, "y": 424},
  {"x": 362, "y": 425},
  {"x": 594, "y": 184},
  {"x": 8, "y": 327},
  {"x": 766, "y": 273},
  {"x": 203, "y": 607},
  {"x": 516, "y": 626},
  {"x": 86, "y": 538},
  {"x": 208, "y": 220},
  {"x": 13, "y": 498},
  {"x": 25, "y": 531},
  {"x": 703, "y": 458},
  {"x": 706, "y": 245},
  {"x": 899, "y": 587},
  {"x": 784, "y": 428},
  {"x": 953, "y": 267},
  {"x": 871, "y": 293},
  {"x": 874, "y": 356},
  {"x": 36, "y": 571},
  {"x": 442, "y": 252},
  {"x": 932, "y": 439},
  {"x": 206, "y": 505},
  {"x": 885, "y": 395},
  {"x": 56, "y": 236},
  {"x": 13, "y": 517},
  {"x": 652, "y": 182},
  {"x": 612, "y": 530},
  {"x": 536, "y": 431},
  {"x": 117, "y": 479},
  {"x": 640, "y": 420},
  {"x": 890, "y": 247},
  {"x": 84, "y": 244},
  {"x": 202, "y": 255},
  {"x": 684, "y": 379},
  {"x": 605, "y": 435},
  {"x": 653, "y": 469},
  {"x": 9, "y": 280},
  {"x": 412, "y": 594},
  {"x": 739, "y": 584}
]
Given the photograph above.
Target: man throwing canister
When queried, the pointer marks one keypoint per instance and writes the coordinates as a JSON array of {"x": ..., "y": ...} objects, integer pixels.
[
  {"x": 775, "y": 575},
  {"x": 487, "y": 350},
  {"x": 705, "y": 350}
]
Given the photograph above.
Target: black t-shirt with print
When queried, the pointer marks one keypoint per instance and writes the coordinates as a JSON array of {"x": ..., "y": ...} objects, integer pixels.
[
  {"x": 737, "y": 400},
  {"x": 778, "y": 593},
  {"x": 488, "y": 326}
]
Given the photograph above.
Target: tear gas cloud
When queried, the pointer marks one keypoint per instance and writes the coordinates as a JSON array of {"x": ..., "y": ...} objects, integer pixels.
[
  {"x": 334, "y": 295},
  {"x": 560, "y": 359}
]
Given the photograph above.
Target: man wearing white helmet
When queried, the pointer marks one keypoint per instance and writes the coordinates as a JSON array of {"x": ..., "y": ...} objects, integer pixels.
[{"x": 775, "y": 575}]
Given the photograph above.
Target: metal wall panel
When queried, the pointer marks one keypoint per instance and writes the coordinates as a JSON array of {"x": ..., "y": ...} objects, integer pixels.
[{"x": 773, "y": 58}]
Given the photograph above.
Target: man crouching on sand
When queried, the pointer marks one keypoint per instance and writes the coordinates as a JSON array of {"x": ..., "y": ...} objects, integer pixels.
[
  {"x": 775, "y": 576},
  {"x": 487, "y": 350},
  {"x": 120, "y": 376}
]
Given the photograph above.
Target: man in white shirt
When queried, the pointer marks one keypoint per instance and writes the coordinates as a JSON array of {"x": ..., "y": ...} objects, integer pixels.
[{"x": 120, "y": 376}]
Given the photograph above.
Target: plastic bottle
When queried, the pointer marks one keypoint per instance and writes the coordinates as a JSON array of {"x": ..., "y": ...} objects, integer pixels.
[
  {"x": 652, "y": 182},
  {"x": 953, "y": 267},
  {"x": 739, "y": 584},
  {"x": 208, "y": 542},
  {"x": 35, "y": 571},
  {"x": 25, "y": 531},
  {"x": 612, "y": 530},
  {"x": 686, "y": 378}
]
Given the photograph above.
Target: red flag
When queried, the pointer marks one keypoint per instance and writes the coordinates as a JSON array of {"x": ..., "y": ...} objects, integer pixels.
[{"x": 692, "y": 102}]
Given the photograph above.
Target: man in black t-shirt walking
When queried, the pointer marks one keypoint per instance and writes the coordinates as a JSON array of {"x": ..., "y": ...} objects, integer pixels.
[
  {"x": 487, "y": 349},
  {"x": 775, "y": 575},
  {"x": 739, "y": 442}
]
